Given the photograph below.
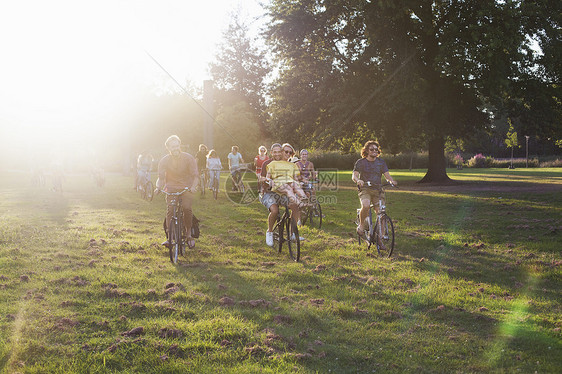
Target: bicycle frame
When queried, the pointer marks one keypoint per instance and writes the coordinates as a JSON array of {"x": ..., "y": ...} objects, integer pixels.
[
  {"x": 311, "y": 213},
  {"x": 285, "y": 224},
  {"x": 176, "y": 221},
  {"x": 381, "y": 229},
  {"x": 214, "y": 182}
]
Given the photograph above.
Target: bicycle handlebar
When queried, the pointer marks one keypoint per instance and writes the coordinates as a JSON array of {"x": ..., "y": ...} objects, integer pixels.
[
  {"x": 369, "y": 184},
  {"x": 175, "y": 193},
  {"x": 241, "y": 167}
]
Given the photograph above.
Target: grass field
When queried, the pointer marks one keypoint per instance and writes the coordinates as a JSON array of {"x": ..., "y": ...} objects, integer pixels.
[{"x": 474, "y": 286}]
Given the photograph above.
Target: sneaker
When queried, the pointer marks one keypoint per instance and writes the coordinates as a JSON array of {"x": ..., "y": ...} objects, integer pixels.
[
  {"x": 269, "y": 238},
  {"x": 362, "y": 233},
  {"x": 294, "y": 238}
]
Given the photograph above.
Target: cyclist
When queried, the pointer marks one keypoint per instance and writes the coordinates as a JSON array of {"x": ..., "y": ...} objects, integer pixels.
[
  {"x": 177, "y": 171},
  {"x": 260, "y": 159},
  {"x": 308, "y": 173},
  {"x": 214, "y": 166},
  {"x": 57, "y": 172},
  {"x": 234, "y": 161},
  {"x": 144, "y": 166},
  {"x": 289, "y": 153},
  {"x": 272, "y": 200},
  {"x": 284, "y": 176},
  {"x": 201, "y": 157},
  {"x": 367, "y": 174},
  {"x": 38, "y": 176}
]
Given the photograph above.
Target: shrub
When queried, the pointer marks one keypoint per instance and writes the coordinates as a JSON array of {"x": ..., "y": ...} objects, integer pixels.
[
  {"x": 517, "y": 162},
  {"x": 403, "y": 160},
  {"x": 333, "y": 160},
  {"x": 479, "y": 161},
  {"x": 336, "y": 160},
  {"x": 557, "y": 163},
  {"x": 458, "y": 159}
]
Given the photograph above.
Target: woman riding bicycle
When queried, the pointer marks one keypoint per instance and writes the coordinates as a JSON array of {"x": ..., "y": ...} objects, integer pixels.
[
  {"x": 367, "y": 174},
  {"x": 201, "y": 157},
  {"x": 260, "y": 159},
  {"x": 308, "y": 174},
  {"x": 214, "y": 166}
]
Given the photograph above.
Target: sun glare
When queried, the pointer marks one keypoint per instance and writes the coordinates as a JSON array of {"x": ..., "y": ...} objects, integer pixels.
[{"x": 70, "y": 69}]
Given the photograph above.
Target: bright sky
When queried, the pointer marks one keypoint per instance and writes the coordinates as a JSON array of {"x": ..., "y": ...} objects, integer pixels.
[{"x": 67, "y": 60}]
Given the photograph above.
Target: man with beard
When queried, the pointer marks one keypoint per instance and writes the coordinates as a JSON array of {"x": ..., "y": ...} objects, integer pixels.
[{"x": 176, "y": 172}]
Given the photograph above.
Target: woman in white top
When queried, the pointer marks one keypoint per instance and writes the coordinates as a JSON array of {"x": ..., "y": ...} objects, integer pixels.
[{"x": 214, "y": 166}]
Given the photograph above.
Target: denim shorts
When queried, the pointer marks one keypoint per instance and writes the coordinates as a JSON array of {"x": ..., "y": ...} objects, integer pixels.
[{"x": 269, "y": 198}]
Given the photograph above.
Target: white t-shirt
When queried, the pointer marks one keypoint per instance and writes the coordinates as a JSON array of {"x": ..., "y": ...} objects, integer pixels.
[
  {"x": 234, "y": 159},
  {"x": 214, "y": 163}
]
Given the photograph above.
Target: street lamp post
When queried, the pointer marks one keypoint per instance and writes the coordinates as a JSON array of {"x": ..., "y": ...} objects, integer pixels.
[{"x": 526, "y": 151}]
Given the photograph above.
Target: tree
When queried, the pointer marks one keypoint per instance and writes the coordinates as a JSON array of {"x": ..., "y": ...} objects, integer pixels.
[
  {"x": 240, "y": 69},
  {"x": 236, "y": 125},
  {"x": 432, "y": 69},
  {"x": 511, "y": 140}
]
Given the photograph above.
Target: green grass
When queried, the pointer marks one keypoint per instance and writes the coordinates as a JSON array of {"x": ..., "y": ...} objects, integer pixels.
[{"x": 475, "y": 285}]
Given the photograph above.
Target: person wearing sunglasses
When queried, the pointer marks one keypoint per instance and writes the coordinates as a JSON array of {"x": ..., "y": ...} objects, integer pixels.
[
  {"x": 289, "y": 152},
  {"x": 367, "y": 174},
  {"x": 270, "y": 199}
]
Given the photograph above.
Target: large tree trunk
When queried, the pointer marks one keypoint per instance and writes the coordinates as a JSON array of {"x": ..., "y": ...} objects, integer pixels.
[{"x": 436, "y": 171}]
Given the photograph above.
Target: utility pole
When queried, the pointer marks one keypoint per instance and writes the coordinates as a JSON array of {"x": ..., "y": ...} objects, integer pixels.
[
  {"x": 208, "y": 106},
  {"x": 526, "y": 151}
]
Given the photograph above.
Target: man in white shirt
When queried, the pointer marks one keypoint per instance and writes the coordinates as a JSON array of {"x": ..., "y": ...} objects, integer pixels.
[{"x": 234, "y": 161}]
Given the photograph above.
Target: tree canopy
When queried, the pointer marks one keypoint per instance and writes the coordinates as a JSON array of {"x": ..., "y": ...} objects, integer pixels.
[
  {"x": 410, "y": 71},
  {"x": 240, "y": 69}
]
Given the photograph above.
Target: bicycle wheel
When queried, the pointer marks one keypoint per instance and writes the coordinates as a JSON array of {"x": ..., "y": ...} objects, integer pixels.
[
  {"x": 294, "y": 244},
  {"x": 183, "y": 233},
  {"x": 384, "y": 236},
  {"x": 216, "y": 188},
  {"x": 305, "y": 212},
  {"x": 174, "y": 237},
  {"x": 315, "y": 216},
  {"x": 367, "y": 232},
  {"x": 278, "y": 235},
  {"x": 241, "y": 186},
  {"x": 149, "y": 188}
]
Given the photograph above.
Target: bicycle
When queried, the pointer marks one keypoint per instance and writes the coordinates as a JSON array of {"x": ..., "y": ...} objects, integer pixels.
[
  {"x": 38, "y": 179},
  {"x": 286, "y": 225},
  {"x": 215, "y": 184},
  {"x": 238, "y": 177},
  {"x": 175, "y": 232},
  {"x": 203, "y": 181},
  {"x": 311, "y": 213},
  {"x": 381, "y": 232},
  {"x": 99, "y": 177},
  {"x": 57, "y": 183},
  {"x": 145, "y": 186}
]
